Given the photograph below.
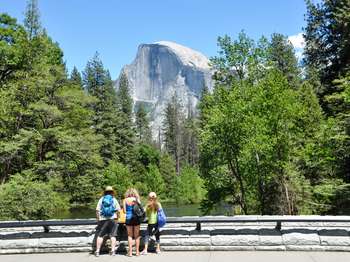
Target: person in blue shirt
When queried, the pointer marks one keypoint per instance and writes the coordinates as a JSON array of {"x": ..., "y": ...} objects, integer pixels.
[
  {"x": 132, "y": 222},
  {"x": 107, "y": 214}
]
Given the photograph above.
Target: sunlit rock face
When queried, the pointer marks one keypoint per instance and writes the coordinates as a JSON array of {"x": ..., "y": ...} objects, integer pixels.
[{"x": 162, "y": 69}]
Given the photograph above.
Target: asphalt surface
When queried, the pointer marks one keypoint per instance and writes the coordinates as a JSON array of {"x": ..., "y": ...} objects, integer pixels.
[{"x": 195, "y": 256}]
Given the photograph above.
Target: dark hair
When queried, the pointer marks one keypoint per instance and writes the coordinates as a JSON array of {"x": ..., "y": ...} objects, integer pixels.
[{"x": 108, "y": 193}]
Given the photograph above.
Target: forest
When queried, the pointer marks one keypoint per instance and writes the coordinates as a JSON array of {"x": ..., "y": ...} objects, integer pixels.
[{"x": 271, "y": 137}]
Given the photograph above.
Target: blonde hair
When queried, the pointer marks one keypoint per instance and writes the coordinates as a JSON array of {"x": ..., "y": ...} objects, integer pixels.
[
  {"x": 152, "y": 203},
  {"x": 132, "y": 192}
]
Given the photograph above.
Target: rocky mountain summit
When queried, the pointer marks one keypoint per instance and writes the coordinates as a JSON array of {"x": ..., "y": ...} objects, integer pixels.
[{"x": 163, "y": 69}]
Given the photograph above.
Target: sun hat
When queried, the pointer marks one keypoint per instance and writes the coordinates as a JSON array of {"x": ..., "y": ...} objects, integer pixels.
[
  {"x": 152, "y": 195},
  {"x": 109, "y": 189}
]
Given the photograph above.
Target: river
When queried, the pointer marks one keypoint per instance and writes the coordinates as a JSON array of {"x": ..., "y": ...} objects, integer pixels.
[{"x": 171, "y": 210}]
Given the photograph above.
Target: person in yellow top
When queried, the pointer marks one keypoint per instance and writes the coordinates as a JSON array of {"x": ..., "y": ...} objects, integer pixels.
[{"x": 152, "y": 208}]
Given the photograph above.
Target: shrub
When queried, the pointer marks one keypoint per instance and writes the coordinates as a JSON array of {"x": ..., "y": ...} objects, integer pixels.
[
  {"x": 118, "y": 176},
  {"x": 23, "y": 199},
  {"x": 190, "y": 188}
]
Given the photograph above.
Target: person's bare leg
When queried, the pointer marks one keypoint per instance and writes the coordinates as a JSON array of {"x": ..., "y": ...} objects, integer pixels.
[
  {"x": 99, "y": 241},
  {"x": 113, "y": 244},
  {"x": 144, "y": 251},
  {"x": 137, "y": 239},
  {"x": 130, "y": 235},
  {"x": 158, "y": 248}
]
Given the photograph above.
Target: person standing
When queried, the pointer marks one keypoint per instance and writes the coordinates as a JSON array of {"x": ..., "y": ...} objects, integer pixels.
[
  {"x": 106, "y": 215},
  {"x": 152, "y": 208},
  {"x": 132, "y": 221}
]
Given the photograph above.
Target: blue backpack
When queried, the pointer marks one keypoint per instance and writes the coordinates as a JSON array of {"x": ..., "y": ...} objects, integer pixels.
[
  {"x": 161, "y": 218},
  {"x": 107, "y": 209}
]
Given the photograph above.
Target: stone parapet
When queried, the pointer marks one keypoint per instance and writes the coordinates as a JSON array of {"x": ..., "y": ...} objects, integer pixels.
[{"x": 184, "y": 237}]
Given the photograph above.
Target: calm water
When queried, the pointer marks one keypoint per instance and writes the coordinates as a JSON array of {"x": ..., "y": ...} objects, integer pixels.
[{"x": 171, "y": 210}]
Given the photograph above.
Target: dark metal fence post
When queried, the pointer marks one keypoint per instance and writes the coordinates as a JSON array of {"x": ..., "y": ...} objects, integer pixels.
[
  {"x": 46, "y": 229},
  {"x": 198, "y": 226},
  {"x": 278, "y": 225}
]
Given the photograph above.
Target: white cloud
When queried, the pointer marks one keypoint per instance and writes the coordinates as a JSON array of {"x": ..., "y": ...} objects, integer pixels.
[{"x": 297, "y": 41}]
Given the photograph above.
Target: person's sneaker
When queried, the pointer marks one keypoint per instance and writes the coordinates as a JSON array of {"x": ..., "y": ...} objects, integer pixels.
[
  {"x": 158, "y": 251},
  {"x": 112, "y": 253},
  {"x": 97, "y": 254},
  {"x": 144, "y": 253}
]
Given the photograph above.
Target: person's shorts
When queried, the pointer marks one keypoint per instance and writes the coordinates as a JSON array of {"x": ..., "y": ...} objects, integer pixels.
[
  {"x": 107, "y": 227},
  {"x": 134, "y": 221}
]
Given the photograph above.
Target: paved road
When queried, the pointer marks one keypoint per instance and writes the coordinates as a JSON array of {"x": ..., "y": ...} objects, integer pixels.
[{"x": 217, "y": 256}]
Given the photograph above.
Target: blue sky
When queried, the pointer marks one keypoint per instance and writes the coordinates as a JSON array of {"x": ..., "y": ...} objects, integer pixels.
[{"x": 115, "y": 28}]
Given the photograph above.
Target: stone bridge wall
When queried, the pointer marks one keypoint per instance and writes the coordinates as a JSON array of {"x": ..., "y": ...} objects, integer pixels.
[{"x": 184, "y": 237}]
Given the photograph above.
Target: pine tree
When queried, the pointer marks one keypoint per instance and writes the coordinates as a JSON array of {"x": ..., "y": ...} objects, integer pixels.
[
  {"x": 124, "y": 98},
  {"x": 327, "y": 56},
  {"x": 32, "y": 19},
  {"x": 75, "y": 77},
  {"x": 281, "y": 53},
  {"x": 168, "y": 172},
  {"x": 98, "y": 83},
  {"x": 143, "y": 130},
  {"x": 190, "y": 137},
  {"x": 126, "y": 132},
  {"x": 327, "y": 50},
  {"x": 94, "y": 76},
  {"x": 172, "y": 130}
]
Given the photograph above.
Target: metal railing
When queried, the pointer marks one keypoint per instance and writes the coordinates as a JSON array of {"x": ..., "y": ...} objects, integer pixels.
[{"x": 278, "y": 220}]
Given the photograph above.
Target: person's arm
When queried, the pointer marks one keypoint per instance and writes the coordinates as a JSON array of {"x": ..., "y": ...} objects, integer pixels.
[
  {"x": 117, "y": 208},
  {"x": 98, "y": 208},
  {"x": 124, "y": 209}
]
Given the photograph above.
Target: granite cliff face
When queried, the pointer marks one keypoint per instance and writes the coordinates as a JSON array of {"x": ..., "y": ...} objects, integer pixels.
[{"x": 162, "y": 69}]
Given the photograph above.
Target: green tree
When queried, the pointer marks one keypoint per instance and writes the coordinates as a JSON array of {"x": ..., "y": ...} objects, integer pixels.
[
  {"x": 22, "y": 199},
  {"x": 327, "y": 59},
  {"x": 154, "y": 181},
  {"x": 250, "y": 130},
  {"x": 281, "y": 53},
  {"x": 190, "y": 154},
  {"x": 32, "y": 19},
  {"x": 13, "y": 48},
  {"x": 172, "y": 130},
  {"x": 46, "y": 121},
  {"x": 107, "y": 119},
  {"x": 239, "y": 59},
  {"x": 191, "y": 186},
  {"x": 95, "y": 77},
  {"x": 124, "y": 98},
  {"x": 327, "y": 45},
  {"x": 126, "y": 132},
  {"x": 147, "y": 154},
  {"x": 143, "y": 130},
  {"x": 119, "y": 176},
  {"x": 171, "y": 180},
  {"x": 75, "y": 77}
]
